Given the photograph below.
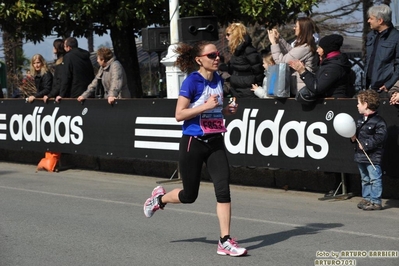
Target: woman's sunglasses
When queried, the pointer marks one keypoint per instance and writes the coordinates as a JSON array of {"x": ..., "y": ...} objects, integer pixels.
[{"x": 212, "y": 55}]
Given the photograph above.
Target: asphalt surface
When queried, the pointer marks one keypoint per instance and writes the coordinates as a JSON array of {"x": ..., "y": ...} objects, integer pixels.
[{"x": 78, "y": 217}]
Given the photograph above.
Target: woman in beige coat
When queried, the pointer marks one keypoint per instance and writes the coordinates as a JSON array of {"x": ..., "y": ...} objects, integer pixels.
[
  {"x": 111, "y": 76},
  {"x": 303, "y": 49}
]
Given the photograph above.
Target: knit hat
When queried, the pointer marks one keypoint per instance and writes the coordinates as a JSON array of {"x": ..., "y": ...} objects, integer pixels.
[{"x": 331, "y": 43}]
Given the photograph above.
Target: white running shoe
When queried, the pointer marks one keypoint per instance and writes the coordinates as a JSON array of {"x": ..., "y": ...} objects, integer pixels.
[
  {"x": 231, "y": 248},
  {"x": 151, "y": 205}
]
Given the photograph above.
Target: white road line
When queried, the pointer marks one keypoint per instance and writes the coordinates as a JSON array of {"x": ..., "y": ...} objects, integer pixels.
[{"x": 208, "y": 214}]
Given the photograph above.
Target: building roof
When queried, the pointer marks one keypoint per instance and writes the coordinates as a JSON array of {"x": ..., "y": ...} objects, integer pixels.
[{"x": 352, "y": 44}]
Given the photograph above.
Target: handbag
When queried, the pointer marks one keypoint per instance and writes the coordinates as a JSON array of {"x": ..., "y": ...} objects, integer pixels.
[
  {"x": 278, "y": 80},
  {"x": 99, "y": 93},
  {"x": 305, "y": 96}
]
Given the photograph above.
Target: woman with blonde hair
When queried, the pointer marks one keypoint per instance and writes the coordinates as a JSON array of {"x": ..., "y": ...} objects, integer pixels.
[
  {"x": 245, "y": 65},
  {"x": 303, "y": 49},
  {"x": 42, "y": 75}
]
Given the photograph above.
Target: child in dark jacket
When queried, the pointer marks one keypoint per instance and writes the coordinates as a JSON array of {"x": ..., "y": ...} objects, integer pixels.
[{"x": 371, "y": 132}]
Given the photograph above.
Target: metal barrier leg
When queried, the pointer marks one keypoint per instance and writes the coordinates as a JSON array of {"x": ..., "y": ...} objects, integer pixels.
[
  {"x": 344, "y": 194},
  {"x": 171, "y": 179}
]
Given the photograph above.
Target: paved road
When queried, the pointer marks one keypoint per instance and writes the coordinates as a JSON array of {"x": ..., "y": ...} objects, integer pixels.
[{"x": 80, "y": 217}]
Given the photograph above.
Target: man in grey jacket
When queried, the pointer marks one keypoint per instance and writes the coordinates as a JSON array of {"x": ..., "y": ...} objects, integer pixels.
[{"x": 382, "y": 48}]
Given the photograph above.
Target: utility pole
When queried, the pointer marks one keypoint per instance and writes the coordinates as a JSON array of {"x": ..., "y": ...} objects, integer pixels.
[{"x": 174, "y": 77}]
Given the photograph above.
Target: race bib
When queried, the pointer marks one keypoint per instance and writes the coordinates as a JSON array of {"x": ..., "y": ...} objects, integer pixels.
[{"x": 212, "y": 123}]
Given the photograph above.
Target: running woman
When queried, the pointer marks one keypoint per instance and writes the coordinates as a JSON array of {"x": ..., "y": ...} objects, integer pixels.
[{"x": 200, "y": 106}]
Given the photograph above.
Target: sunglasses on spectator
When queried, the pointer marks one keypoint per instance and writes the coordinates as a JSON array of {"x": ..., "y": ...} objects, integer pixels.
[
  {"x": 212, "y": 55},
  {"x": 228, "y": 34}
]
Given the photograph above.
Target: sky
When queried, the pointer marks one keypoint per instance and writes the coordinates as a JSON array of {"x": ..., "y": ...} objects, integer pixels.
[{"x": 46, "y": 48}]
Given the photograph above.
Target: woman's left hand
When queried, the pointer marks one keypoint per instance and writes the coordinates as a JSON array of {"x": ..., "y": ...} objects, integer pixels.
[
  {"x": 111, "y": 100},
  {"x": 30, "y": 99},
  {"x": 273, "y": 36}
]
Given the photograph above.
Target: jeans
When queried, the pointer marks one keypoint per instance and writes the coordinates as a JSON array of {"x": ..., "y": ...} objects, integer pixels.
[{"x": 371, "y": 182}]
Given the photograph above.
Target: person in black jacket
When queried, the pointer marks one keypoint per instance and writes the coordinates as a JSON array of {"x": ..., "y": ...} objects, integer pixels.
[
  {"x": 59, "y": 52},
  {"x": 245, "y": 64},
  {"x": 371, "y": 134},
  {"x": 381, "y": 67},
  {"x": 42, "y": 76},
  {"x": 77, "y": 71},
  {"x": 333, "y": 77}
]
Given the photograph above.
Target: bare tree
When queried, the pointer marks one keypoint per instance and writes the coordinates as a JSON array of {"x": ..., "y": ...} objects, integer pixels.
[
  {"x": 90, "y": 42},
  {"x": 10, "y": 44},
  {"x": 14, "y": 59},
  {"x": 342, "y": 17}
]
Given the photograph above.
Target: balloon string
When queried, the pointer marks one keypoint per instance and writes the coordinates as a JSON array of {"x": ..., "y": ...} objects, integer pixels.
[{"x": 366, "y": 154}]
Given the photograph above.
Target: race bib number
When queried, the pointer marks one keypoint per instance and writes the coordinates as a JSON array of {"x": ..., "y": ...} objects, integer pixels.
[{"x": 212, "y": 123}]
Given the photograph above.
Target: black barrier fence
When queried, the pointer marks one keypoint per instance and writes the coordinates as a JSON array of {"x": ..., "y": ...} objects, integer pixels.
[{"x": 264, "y": 133}]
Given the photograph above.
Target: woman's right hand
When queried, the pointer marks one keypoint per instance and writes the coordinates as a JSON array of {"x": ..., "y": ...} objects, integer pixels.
[
  {"x": 80, "y": 99},
  {"x": 273, "y": 36},
  {"x": 394, "y": 98},
  {"x": 212, "y": 102},
  {"x": 297, "y": 66}
]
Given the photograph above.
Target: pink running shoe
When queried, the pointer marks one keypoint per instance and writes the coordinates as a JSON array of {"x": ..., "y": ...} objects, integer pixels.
[
  {"x": 159, "y": 190},
  {"x": 231, "y": 248},
  {"x": 151, "y": 205}
]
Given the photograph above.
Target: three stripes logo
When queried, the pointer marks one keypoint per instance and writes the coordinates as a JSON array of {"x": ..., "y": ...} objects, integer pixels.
[
  {"x": 162, "y": 133},
  {"x": 3, "y": 127}
]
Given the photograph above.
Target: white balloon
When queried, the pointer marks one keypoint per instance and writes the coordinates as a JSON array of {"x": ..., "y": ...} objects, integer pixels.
[{"x": 344, "y": 125}]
